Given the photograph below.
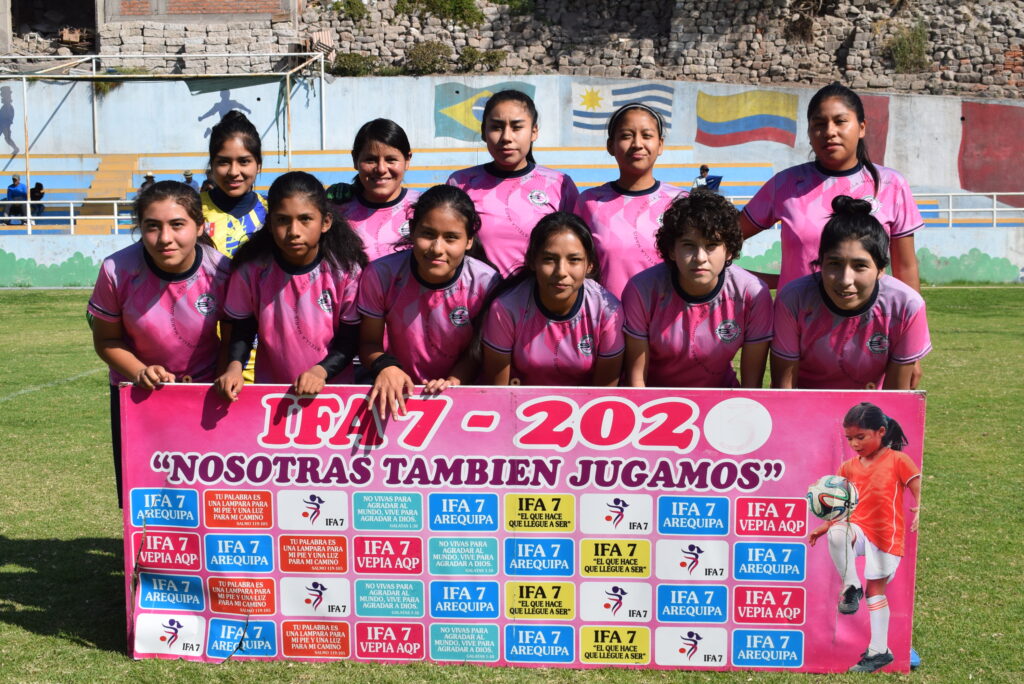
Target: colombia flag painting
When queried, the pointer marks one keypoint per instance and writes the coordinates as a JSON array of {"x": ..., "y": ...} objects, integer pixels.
[{"x": 726, "y": 120}]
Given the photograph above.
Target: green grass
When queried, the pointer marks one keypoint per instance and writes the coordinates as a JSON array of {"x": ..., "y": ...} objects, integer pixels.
[{"x": 61, "y": 597}]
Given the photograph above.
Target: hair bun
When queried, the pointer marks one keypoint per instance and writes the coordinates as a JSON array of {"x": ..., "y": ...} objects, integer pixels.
[{"x": 844, "y": 204}]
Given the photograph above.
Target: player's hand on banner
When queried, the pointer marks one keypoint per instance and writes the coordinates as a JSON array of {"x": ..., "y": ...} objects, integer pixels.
[
  {"x": 230, "y": 384},
  {"x": 152, "y": 377},
  {"x": 390, "y": 389},
  {"x": 440, "y": 385},
  {"x": 311, "y": 382}
]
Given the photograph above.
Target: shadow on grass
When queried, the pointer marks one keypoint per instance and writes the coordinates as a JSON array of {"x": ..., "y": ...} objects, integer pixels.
[{"x": 69, "y": 589}]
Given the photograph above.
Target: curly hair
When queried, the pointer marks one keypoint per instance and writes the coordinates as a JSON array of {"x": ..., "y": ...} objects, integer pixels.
[{"x": 707, "y": 212}]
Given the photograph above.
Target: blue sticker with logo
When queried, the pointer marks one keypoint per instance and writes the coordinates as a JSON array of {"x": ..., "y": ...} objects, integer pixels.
[
  {"x": 539, "y": 644},
  {"x": 165, "y": 507},
  {"x": 693, "y": 515},
  {"x": 171, "y": 592},
  {"x": 387, "y": 511},
  {"x": 707, "y": 603},
  {"x": 389, "y": 598},
  {"x": 767, "y": 648},
  {"x": 477, "y": 600},
  {"x": 463, "y": 512},
  {"x": 770, "y": 561},
  {"x": 241, "y": 639},
  {"x": 239, "y": 553},
  {"x": 464, "y": 643},
  {"x": 532, "y": 557}
]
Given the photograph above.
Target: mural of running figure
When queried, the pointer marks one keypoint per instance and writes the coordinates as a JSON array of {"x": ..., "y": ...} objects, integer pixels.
[
  {"x": 7, "y": 119},
  {"x": 221, "y": 107}
]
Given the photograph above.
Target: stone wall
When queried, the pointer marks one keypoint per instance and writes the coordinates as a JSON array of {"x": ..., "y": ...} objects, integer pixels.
[{"x": 974, "y": 47}]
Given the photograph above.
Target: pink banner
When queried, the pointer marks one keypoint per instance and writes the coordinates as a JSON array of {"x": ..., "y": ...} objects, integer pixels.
[{"x": 572, "y": 527}]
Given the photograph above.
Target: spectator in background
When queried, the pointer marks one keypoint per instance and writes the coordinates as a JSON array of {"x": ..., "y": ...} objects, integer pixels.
[
  {"x": 701, "y": 180},
  {"x": 36, "y": 194},
  {"x": 148, "y": 180},
  {"x": 16, "y": 192},
  {"x": 189, "y": 182}
]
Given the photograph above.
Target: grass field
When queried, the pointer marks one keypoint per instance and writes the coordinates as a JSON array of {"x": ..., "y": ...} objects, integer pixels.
[{"x": 61, "y": 582}]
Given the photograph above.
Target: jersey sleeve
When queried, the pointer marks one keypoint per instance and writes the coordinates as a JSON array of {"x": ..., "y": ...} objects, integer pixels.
[
  {"x": 759, "y": 324},
  {"x": 906, "y": 470},
  {"x": 636, "y": 317},
  {"x": 371, "y": 300},
  {"x": 499, "y": 331},
  {"x": 104, "y": 304},
  {"x": 612, "y": 343},
  {"x": 786, "y": 337},
  {"x": 906, "y": 215},
  {"x": 761, "y": 208},
  {"x": 454, "y": 180},
  {"x": 240, "y": 302},
  {"x": 347, "y": 293},
  {"x": 914, "y": 341},
  {"x": 570, "y": 195}
]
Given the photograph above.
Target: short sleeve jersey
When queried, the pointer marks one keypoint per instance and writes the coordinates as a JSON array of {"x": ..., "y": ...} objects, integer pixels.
[
  {"x": 428, "y": 327},
  {"x": 511, "y": 204},
  {"x": 168, "y": 319},
  {"x": 801, "y": 199},
  {"x": 379, "y": 226},
  {"x": 298, "y": 310},
  {"x": 692, "y": 340},
  {"x": 229, "y": 232},
  {"x": 840, "y": 349},
  {"x": 879, "y": 511},
  {"x": 548, "y": 349},
  {"x": 624, "y": 225}
]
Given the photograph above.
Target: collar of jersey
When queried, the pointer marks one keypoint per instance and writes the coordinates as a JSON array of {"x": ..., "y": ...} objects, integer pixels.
[
  {"x": 414, "y": 267},
  {"x": 550, "y": 315},
  {"x": 493, "y": 169},
  {"x": 635, "y": 193},
  {"x": 838, "y": 174},
  {"x": 843, "y": 312},
  {"x": 173, "y": 277},
  {"x": 292, "y": 269},
  {"x": 380, "y": 205},
  {"x": 690, "y": 299},
  {"x": 236, "y": 207}
]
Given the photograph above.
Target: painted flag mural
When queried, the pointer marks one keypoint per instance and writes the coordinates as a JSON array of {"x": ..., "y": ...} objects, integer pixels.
[
  {"x": 459, "y": 109},
  {"x": 726, "y": 120},
  {"x": 592, "y": 105},
  {"x": 876, "y": 114},
  {"x": 989, "y": 158}
]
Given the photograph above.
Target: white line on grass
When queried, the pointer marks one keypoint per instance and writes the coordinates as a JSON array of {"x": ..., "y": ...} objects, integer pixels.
[{"x": 62, "y": 381}]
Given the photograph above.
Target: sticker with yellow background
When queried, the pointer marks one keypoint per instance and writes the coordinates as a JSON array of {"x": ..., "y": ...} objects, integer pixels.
[
  {"x": 540, "y": 600},
  {"x": 540, "y": 513}
]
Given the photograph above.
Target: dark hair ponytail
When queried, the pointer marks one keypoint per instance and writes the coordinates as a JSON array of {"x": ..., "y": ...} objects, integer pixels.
[
  {"x": 851, "y": 100},
  {"x": 867, "y": 416},
  {"x": 511, "y": 96},
  {"x": 852, "y": 220},
  {"x": 235, "y": 124}
]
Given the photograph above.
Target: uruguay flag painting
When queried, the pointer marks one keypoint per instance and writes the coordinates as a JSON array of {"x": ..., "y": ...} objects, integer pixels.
[
  {"x": 593, "y": 105},
  {"x": 726, "y": 120}
]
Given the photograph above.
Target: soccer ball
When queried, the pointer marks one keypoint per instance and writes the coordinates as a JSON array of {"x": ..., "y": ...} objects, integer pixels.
[{"x": 832, "y": 497}]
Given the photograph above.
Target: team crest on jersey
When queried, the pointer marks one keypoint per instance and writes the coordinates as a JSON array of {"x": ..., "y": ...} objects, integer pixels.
[
  {"x": 206, "y": 304},
  {"x": 728, "y": 330},
  {"x": 403, "y": 229},
  {"x": 878, "y": 344},
  {"x": 586, "y": 345},
  {"x": 875, "y": 204},
  {"x": 324, "y": 300},
  {"x": 459, "y": 316},
  {"x": 539, "y": 197}
]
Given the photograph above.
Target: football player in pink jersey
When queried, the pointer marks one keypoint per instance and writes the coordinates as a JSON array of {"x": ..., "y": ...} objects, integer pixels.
[
  {"x": 512, "y": 192},
  {"x": 625, "y": 214},
  {"x": 425, "y": 302},
  {"x": 551, "y": 323},
  {"x": 849, "y": 325},
  {"x": 156, "y": 303},
  {"x": 375, "y": 204},
  {"x": 294, "y": 283},
  {"x": 687, "y": 317}
]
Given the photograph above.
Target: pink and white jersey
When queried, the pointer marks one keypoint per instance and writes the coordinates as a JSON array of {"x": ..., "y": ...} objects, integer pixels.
[
  {"x": 801, "y": 198},
  {"x": 428, "y": 327},
  {"x": 511, "y": 204},
  {"x": 848, "y": 349},
  {"x": 624, "y": 225},
  {"x": 298, "y": 310},
  {"x": 548, "y": 349},
  {"x": 692, "y": 340},
  {"x": 379, "y": 226},
  {"x": 168, "y": 319}
]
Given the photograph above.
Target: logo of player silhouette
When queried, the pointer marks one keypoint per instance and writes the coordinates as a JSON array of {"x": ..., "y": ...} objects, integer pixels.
[
  {"x": 313, "y": 505},
  {"x": 690, "y": 642},
  {"x": 617, "y": 509},
  {"x": 171, "y": 632},
  {"x": 316, "y": 595},
  {"x": 222, "y": 106},
  {"x": 7, "y": 119},
  {"x": 691, "y": 554},
  {"x": 615, "y": 595}
]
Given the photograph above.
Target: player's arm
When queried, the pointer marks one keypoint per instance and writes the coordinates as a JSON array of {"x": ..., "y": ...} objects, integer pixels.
[
  {"x": 391, "y": 384},
  {"x": 915, "y": 490},
  {"x": 636, "y": 361},
  {"x": 898, "y": 376},
  {"x": 108, "y": 341},
  {"x": 497, "y": 367},
  {"x": 753, "y": 359},
  {"x": 236, "y": 347},
  {"x": 784, "y": 372},
  {"x": 607, "y": 371},
  {"x": 903, "y": 257}
]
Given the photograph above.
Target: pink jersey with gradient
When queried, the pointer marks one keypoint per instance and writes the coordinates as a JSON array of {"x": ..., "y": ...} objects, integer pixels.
[
  {"x": 848, "y": 350},
  {"x": 428, "y": 327},
  {"x": 167, "y": 319},
  {"x": 801, "y": 198},
  {"x": 624, "y": 225},
  {"x": 510, "y": 205},
  {"x": 692, "y": 340},
  {"x": 554, "y": 350},
  {"x": 298, "y": 310},
  {"x": 379, "y": 226}
]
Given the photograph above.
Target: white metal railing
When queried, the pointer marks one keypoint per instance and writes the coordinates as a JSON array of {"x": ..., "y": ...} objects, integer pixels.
[{"x": 67, "y": 220}]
